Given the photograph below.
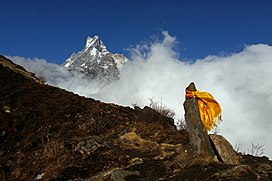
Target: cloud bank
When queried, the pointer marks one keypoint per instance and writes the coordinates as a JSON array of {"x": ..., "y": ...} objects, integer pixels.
[{"x": 240, "y": 82}]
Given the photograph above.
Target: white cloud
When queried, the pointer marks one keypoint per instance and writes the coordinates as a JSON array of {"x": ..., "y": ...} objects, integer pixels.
[
  {"x": 240, "y": 82},
  {"x": 58, "y": 75}
]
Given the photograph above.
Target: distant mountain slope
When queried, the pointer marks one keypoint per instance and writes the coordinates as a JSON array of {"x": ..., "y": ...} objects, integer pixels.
[
  {"x": 18, "y": 69},
  {"x": 95, "y": 61},
  {"x": 47, "y": 133}
]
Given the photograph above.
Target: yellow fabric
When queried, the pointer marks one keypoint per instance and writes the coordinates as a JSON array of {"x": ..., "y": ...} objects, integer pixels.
[{"x": 209, "y": 108}]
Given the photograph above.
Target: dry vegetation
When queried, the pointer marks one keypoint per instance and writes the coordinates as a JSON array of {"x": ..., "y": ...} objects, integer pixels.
[{"x": 162, "y": 109}]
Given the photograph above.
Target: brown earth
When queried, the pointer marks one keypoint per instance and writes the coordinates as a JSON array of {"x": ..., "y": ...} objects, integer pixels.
[{"x": 47, "y": 133}]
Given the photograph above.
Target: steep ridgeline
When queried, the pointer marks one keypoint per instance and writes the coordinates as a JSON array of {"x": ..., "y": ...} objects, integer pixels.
[{"x": 95, "y": 61}]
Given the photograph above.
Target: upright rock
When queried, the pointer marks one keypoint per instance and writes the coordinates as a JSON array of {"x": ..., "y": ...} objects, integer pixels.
[{"x": 198, "y": 136}]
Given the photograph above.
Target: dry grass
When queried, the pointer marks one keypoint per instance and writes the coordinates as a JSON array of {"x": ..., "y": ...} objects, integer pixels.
[{"x": 132, "y": 140}]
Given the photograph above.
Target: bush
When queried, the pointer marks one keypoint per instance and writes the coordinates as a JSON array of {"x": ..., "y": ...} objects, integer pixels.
[
  {"x": 162, "y": 109},
  {"x": 181, "y": 124}
]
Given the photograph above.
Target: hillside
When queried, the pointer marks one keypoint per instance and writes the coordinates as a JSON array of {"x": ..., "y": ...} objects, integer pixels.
[{"x": 48, "y": 133}]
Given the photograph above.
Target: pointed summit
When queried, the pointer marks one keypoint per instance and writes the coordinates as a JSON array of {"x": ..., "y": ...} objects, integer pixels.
[
  {"x": 96, "y": 43},
  {"x": 95, "y": 60},
  {"x": 90, "y": 41}
]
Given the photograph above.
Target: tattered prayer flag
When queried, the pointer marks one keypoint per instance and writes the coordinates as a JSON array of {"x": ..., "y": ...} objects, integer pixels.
[{"x": 209, "y": 109}]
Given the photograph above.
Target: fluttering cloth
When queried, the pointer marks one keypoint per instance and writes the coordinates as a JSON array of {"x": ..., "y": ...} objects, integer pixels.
[{"x": 209, "y": 109}]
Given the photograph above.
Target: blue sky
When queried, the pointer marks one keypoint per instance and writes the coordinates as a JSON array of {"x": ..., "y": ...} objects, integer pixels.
[{"x": 53, "y": 29}]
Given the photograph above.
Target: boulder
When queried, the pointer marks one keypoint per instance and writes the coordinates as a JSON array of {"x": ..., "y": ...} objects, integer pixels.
[{"x": 225, "y": 151}]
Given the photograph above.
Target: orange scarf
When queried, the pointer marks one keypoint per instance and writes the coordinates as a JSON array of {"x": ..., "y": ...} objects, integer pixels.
[{"x": 209, "y": 109}]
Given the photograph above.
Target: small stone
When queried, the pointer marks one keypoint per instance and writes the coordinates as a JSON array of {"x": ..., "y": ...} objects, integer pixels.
[
  {"x": 119, "y": 175},
  {"x": 136, "y": 160},
  {"x": 9, "y": 163},
  {"x": 39, "y": 177},
  {"x": 7, "y": 109}
]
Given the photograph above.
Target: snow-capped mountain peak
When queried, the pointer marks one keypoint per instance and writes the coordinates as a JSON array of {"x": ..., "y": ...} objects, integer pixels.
[{"x": 95, "y": 60}]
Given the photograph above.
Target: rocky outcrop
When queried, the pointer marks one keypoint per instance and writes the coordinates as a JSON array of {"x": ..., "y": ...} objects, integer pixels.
[{"x": 51, "y": 134}]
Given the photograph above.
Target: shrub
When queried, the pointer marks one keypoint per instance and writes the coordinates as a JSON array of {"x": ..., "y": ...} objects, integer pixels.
[
  {"x": 162, "y": 109},
  {"x": 181, "y": 124}
]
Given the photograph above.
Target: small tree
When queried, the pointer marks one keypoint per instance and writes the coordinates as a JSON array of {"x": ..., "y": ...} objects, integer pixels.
[{"x": 256, "y": 149}]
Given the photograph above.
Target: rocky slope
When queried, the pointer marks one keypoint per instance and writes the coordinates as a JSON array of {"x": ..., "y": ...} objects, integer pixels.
[
  {"x": 48, "y": 133},
  {"x": 95, "y": 61}
]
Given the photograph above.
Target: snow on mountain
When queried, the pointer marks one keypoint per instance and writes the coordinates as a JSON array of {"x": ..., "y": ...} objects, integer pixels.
[{"x": 95, "y": 61}]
